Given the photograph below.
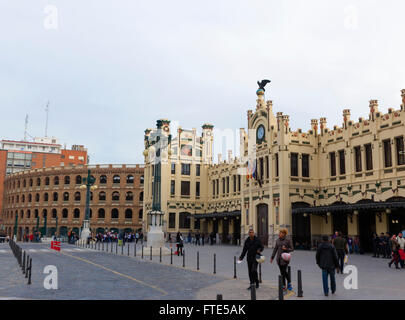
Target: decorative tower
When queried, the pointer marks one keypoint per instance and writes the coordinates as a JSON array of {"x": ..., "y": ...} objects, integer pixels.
[{"x": 208, "y": 141}]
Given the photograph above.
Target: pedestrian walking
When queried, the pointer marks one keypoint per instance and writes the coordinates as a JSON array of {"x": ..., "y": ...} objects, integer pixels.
[
  {"x": 327, "y": 260},
  {"x": 180, "y": 244},
  {"x": 395, "y": 252},
  {"x": 252, "y": 247},
  {"x": 283, "y": 245},
  {"x": 342, "y": 249},
  {"x": 401, "y": 250}
]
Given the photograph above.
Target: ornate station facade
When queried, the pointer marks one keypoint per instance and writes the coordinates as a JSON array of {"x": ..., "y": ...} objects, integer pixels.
[{"x": 350, "y": 178}]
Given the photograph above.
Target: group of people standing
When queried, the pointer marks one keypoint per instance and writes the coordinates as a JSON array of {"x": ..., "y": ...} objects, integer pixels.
[{"x": 390, "y": 246}]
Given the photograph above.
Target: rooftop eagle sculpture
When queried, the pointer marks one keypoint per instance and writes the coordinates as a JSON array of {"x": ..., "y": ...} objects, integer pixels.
[{"x": 262, "y": 84}]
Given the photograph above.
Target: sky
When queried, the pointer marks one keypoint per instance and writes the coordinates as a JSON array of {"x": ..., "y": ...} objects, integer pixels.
[{"x": 110, "y": 69}]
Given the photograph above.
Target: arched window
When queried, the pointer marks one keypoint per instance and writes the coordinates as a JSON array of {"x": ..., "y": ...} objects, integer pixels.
[
  {"x": 102, "y": 196},
  {"x": 36, "y": 213},
  {"x": 65, "y": 213},
  {"x": 23, "y": 198},
  {"x": 37, "y": 197},
  {"x": 103, "y": 179},
  {"x": 22, "y": 214},
  {"x": 141, "y": 196},
  {"x": 67, "y": 180},
  {"x": 31, "y": 182},
  {"x": 115, "y": 196},
  {"x": 116, "y": 179},
  {"x": 28, "y": 214},
  {"x": 101, "y": 213},
  {"x": 114, "y": 213},
  {"x": 128, "y": 214},
  {"x": 129, "y": 196},
  {"x": 47, "y": 181},
  {"x": 130, "y": 179},
  {"x": 76, "y": 213},
  {"x": 18, "y": 183},
  {"x": 38, "y": 182},
  {"x": 142, "y": 179},
  {"x": 91, "y": 195},
  {"x": 44, "y": 213},
  {"x": 56, "y": 181},
  {"x": 30, "y": 197},
  {"x": 90, "y": 214},
  {"x": 24, "y": 183},
  {"x": 140, "y": 214},
  {"x": 55, "y": 196},
  {"x": 66, "y": 196},
  {"x": 78, "y": 180},
  {"x": 46, "y": 197},
  {"x": 54, "y": 213},
  {"x": 77, "y": 196}
]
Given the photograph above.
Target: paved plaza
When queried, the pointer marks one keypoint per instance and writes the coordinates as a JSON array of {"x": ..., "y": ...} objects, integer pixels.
[{"x": 85, "y": 273}]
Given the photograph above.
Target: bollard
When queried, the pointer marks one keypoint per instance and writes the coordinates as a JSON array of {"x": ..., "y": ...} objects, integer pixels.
[
  {"x": 252, "y": 291},
  {"x": 160, "y": 255},
  {"x": 122, "y": 249},
  {"x": 300, "y": 292},
  {"x": 112, "y": 244},
  {"x": 23, "y": 264},
  {"x": 219, "y": 297},
  {"x": 184, "y": 258},
  {"x": 135, "y": 249},
  {"x": 171, "y": 255},
  {"x": 260, "y": 273},
  {"x": 128, "y": 250},
  {"x": 103, "y": 246},
  {"x": 198, "y": 261},
  {"x": 142, "y": 251},
  {"x": 116, "y": 248},
  {"x": 30, "y": 272},
  {"x": 27, "y": 266},
  {"x": 107, "y": 247},
  {"x": 234, "y": 267},
  {"x": 151, "y": 253},
  {"x": 280, "y": 288},
  {"x": 215, "y": 263}
]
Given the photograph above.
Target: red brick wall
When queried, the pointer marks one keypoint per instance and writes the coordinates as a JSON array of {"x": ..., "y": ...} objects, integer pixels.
[{"x": 3, "y": 163}]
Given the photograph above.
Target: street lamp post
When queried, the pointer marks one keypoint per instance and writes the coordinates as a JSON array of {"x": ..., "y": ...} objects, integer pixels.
[
  {"x": 15, "y": 226},
  {"x": 56, "y": 227},
  {"x": 45, "y": 224},
  {"x": 89, "y": 185}
]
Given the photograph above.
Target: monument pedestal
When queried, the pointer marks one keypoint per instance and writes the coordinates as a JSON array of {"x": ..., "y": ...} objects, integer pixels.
[
  {"x": 156, "y": 237},
  {"x": 85, "y": 232}
]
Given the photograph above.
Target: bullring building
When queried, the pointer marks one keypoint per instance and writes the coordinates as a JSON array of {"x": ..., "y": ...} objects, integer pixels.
[{"x": 349, "y": 178}]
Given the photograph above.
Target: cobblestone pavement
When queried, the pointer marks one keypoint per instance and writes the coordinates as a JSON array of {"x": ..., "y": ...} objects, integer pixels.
[{"x": 375, "y": 280}]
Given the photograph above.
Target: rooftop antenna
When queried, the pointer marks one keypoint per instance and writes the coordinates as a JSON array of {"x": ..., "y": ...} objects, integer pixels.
[
  {"x": 46, "y": 125},
  {"x": 26, "y": 127}
]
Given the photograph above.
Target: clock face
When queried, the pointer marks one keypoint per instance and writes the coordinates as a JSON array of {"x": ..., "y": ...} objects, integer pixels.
[{"x": 260, "y": 132}]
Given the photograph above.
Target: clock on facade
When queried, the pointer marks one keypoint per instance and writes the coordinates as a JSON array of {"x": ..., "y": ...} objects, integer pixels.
[{"x": 260, "y": 133}]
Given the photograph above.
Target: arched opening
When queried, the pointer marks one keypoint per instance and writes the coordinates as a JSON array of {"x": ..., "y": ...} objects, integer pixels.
[
  {"x": 37, "y": 197},
  {"x": 142, "y": 179},
  {"x": 55, "y": 196},
  {"x": 366, "y": 226},
  {"x": 65, "y": 213},
  {"x": 130, "y": 179},
  {"x": 102, "y": 196},
  {"x": 301, "y": 227},
  {"x": 77, "y": 196},
  {"x": 47, "y": 181},
  {"x": 116, "y": 179},
  {"x": 103, "y": 179},
  {"x": 129, "y": 196},
  {"x": 54, "y": 213},
  {"x": 67, "y": 180},
  {"x": 101, "y": 213},
  {"x": 128, "y": 214},
  {"x": 114, "y": 213},
  {"x": 76, "y": 213},
  {"x": 115, "y": 196},
  {"x": 262, "y": 223},
  {"x": 63, "y": 231},
  {"x": 66, "y": 196},
  {"x": 78, "y": 180},
  {"x": 38, "y": 182},
  {"x": 46, "y": 197},
  {"x": 56, "y": 181},
  {"x": 140, "y": 215},
  {"x": 141, "y": 196}
]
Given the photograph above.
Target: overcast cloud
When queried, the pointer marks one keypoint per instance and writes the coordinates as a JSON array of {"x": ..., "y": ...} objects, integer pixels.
[{"x": 112, "y": 68}]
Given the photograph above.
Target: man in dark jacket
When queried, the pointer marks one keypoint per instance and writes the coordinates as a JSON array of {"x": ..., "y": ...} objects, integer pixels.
[
  {"x": 327, "y": 260},
  {"x": 252, "y": 247},
  {"x": 342, "y": 249}
]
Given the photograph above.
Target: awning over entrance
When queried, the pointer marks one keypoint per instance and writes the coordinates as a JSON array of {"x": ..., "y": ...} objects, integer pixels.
[
  {"x": 350, "y": 207},
  {"x": 230, "y": 214}
]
